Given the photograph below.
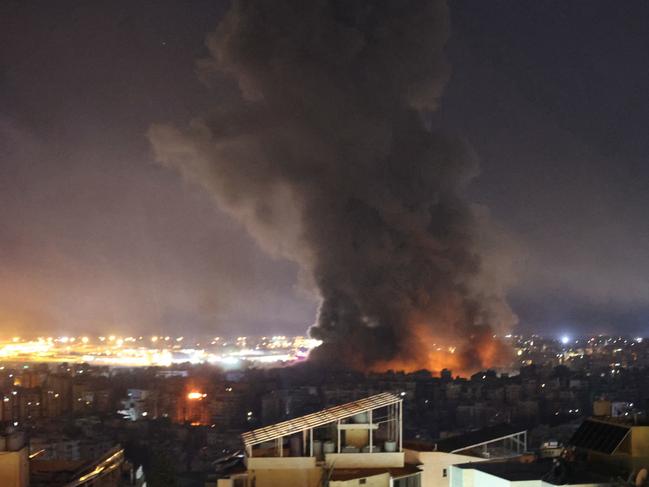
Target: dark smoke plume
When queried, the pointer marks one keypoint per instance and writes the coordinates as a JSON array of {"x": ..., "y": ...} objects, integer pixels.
[{"x": 325, "y": 156}]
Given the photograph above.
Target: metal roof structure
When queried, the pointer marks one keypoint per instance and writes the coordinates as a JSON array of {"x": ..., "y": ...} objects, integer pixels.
[
  {"x": 319, "y": 418},
  {"x": 473, "y": 439},
  {"x": 599, "y": 436}
]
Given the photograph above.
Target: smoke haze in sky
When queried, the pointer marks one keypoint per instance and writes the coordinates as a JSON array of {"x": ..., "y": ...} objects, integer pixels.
[{"x": 95, "y": 237}]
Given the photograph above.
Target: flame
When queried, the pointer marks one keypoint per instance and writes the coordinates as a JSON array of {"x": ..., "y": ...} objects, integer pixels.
[{"x": 425, "y": 350}]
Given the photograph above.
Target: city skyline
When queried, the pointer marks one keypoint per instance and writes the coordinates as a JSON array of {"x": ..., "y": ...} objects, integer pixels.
[{"x": 324, "y": 243}]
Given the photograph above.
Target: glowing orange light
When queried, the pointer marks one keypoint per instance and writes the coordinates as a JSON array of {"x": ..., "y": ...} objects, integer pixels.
[
  {"x": 195, "y": 395},
  {"x": 477, "y": 352}
]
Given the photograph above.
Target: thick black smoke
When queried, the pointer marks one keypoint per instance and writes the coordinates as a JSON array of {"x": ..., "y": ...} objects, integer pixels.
[{"x": 325, "y": 156}]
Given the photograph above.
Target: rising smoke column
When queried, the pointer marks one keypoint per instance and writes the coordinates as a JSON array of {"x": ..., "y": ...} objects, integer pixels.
[{"x": 325, "y": 156}]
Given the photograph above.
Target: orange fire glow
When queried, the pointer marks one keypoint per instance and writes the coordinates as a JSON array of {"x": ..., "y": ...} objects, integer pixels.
[
  {"x": 194, "y": 396},
  {"x": 461, "y": 355}
]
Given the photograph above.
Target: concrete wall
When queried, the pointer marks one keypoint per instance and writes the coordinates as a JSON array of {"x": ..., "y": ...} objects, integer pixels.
[
  {"x": 467, "y": 477},
  {"x": 279, "y": 463},
  {"x": 307, "y": 477},
  {"x": 358, "y": 438},
  {"x": 365, "y": 460},
  {"x": 382, "y": 480},
  {"x": 14, "y": 468},
  {"x": 433, "y": 464},
  {"x": 640, "y": 441}
]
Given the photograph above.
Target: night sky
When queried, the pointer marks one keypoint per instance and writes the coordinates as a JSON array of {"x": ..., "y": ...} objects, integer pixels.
[{"x": 95, "y": 236}]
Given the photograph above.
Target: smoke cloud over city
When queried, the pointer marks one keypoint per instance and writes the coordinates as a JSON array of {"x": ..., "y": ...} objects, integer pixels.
[{"x": 325, "y": 153}]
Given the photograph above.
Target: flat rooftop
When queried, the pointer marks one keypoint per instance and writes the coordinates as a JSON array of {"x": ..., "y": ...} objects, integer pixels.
[
  {"x": 466, "y": 440},
  {"x": 570, "y": 473}
]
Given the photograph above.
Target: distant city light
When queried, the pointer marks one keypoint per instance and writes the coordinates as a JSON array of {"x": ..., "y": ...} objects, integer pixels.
[
  {"x": 565, "y": 339},
  {"x": 196, "y": 395},
  {"x": 114, "y": 350}
]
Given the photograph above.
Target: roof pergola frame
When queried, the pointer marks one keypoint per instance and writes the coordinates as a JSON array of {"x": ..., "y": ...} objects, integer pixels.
[{"x": 334, "y": 415}]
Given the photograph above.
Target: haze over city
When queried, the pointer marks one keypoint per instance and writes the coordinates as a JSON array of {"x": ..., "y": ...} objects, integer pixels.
[
  {"x": 98, "y": 237},
  {"x": 324, "y": 243}
]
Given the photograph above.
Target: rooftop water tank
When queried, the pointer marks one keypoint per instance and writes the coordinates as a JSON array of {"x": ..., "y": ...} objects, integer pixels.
[
  {"x": 360, "y": 418},
  {"x": 390, "y": 446},
  {"x": 328, "y": 447}
]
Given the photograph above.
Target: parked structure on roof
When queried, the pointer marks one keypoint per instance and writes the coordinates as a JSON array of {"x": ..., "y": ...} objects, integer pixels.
[
  {"x": 612, "y": 441},
  {"x": 356, "y": 442},
  {"x": 361, "y": 443}
]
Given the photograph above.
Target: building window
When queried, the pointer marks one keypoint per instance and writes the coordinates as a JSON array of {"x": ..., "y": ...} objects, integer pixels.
[
  {"x": 444, "y": 473},
  {"x": 362, "y": 481}
]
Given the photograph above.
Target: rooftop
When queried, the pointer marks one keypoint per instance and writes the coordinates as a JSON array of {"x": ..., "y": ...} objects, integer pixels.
[
  {"x": 566, "y": 473},
  {"x": 468, "y": 440},
  {"x": 319, "y": 418}
]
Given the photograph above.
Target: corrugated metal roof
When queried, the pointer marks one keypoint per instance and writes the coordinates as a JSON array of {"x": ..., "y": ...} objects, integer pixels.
[
  {"x": 599, "y": 436},
  {"x": 320, "y": 418}
]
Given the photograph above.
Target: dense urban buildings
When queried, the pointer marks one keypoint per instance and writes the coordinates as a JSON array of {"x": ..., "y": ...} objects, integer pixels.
[{"x": 184, "y": 421}]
